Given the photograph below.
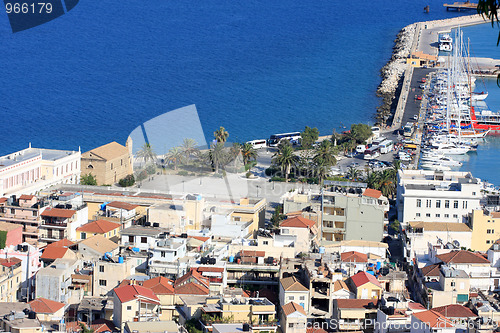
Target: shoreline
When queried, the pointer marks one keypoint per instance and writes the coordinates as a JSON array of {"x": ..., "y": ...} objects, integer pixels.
[{"x": 396, "y": 73}]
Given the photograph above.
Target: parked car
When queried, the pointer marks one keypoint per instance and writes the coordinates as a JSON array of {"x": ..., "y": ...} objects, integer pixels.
[{"x": 351, "y": 155}]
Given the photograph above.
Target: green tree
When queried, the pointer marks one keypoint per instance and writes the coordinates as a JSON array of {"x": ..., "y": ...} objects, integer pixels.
[
  {"x": 221, "y": 135},
  {"x": 309, "y": 136},
  {"x": 387, "y": 183},
  {"x": 360, "y": 132},
  {"x": 128, "y": 180},
  {"x": 146, "y": 153},
  {"x": 353, "y": 173},
  {"x": 394, "y": 226},
  {"x": 248, "y": 153},
  {"x": 190, "y": 326},
  {"x": 285, "y": 159},
  {"x": 373, "y": 179},
  {"x": 277, "y": 216},
  {"x": 175, "y": 156},
  {"x": 188, "y": 147},
  {"x": 217, "y": 156},
  {"x": 88, "y": 179},
  {"x": 324, "y": 159}
]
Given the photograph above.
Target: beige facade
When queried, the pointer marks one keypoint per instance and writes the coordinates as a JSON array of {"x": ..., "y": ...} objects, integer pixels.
[
  {"x": 10, "y": 279},
  {"x": 108, "y": 163},
  {"x": 485, "y": 229},
  {"x": 107, "y": 275}
]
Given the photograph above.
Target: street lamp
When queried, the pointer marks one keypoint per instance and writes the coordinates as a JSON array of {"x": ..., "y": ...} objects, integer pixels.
[{"x": 257, "y": 186}]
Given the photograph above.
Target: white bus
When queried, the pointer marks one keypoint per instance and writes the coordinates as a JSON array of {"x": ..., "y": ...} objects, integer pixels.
[
  {"x": 371, "y": 153},
  {"x": 386, "y": 146},
  {"x": 375, "y": 131},
  {"x": 257, "y": 144},
  {"x": 293, "y": 137}
]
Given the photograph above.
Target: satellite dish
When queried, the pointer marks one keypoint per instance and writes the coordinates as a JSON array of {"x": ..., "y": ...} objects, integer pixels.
[{"x": 456, "y": 244}]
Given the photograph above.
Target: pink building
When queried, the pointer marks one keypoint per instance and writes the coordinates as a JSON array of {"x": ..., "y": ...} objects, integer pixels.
[{"x": 14, "y": 234}]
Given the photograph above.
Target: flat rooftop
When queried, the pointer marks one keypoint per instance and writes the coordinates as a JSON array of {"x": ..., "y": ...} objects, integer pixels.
[{"x": 29, "y": 153}]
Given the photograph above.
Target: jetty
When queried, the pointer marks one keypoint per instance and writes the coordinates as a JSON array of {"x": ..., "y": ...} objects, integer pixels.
[{"x": 460, "y": 6}]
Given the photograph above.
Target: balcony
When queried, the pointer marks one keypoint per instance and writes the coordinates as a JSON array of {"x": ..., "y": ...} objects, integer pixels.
[{"x": 56, "y": 225}]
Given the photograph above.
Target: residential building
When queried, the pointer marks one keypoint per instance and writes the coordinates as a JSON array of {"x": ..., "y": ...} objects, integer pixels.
[
  {"x": 354, "y": 314},
  {"x": 134, "y": 303},
  {"x": 452, "y": 287},
  {"x": 61, "y": 221},
  {"x": 13, "y": 234},
  {"x": 24, "y": 211},
  {"x": 108, "y": 163},
  {"x": 59, "y": 250},
  {"x": 422, "y": 235},
  {"x": 54, "y": 281},
  {"x": 341, "y": 290},
  {"x": 97, "y": 247},
  {"x": 420, "y": 59},
  {"x": 475, "y": 265},
  {"x": 10, "y": 279},
  {"x": 458, "y": 314},
  {"x": 19, "y": 322},
  {"x": 293, "y": 318},
  {"x": 167, "y": 326},
  {"x": 431, "y": 322},
  {"x": 224, "y": 225},
  {"x": 110, "y": 272},
  {"x": 123, "y": 213},
  {"x": 345, "y": 216},
  {"x": 484, "y": 233},
  {"x": 164, "y": 290},
  {"x": 166, "y": 258},
  {"x": 33, "y": 169},
  {"x": 143, "y": 238},
  {"x": 47, "y": 310},
  {"x": 291, "y": 290},
  {"x": 304, "y": 229},
  {"x": 365, "y": 286},
  {"x": 106, "y": 229},
  {"x": 436, "y": 196},
  {"x": 260, "y": 313}
]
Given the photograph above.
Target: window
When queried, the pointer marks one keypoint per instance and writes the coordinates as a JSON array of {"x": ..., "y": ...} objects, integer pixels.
[
  {"x": 83, "y": 235},
  {"x": 163, "y": 254},
  {"x": 144, "y": 240},
  {"x": 487, "y": 242},
  {"x": 418, "y": 214},
  {"x": 12, "y": 211},
  {"x": 419, "y": 203},
  {"x": 111, "y": 166},
  {"x": 455, "y": 204},
  {"x": 447, "y": 204},
  {"x": 290, "y": 325},
  {"x": 302, "y": 298},
  {"x": 446, "y": 216},
  {"x": 464, "y": 205},
  {"x": 427, "y": 204},
  {"x": 473, "y": 193},
  {"x": 438, "y": 215},
  {"x": 455, "y": 216},
  {"x": 265, "y": 242},
  {"x": 428, "y": 215},
  {"x": 453, "y": 283},
  {"x": 34, "y": 213},
  {"x": 284, "y": 231},
  {"x": 438, "y": 203},
  {"x": 130, "y": 239},
  {"x": 102, "y": 283},
  {"x": 291, "y": 298},
  {"x": 488, "y": 231},
  {"x": 101, "y": 268},
  {"x": 121, "y": 161},
  {"x": 129, "y": 307}
]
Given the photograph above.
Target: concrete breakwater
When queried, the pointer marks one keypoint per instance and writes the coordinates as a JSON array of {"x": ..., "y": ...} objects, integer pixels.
[{"x": 393, "y": 71}]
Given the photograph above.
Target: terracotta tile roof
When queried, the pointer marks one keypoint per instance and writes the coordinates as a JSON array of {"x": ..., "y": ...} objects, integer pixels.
[
  {"x": 462, "y": 257},
  {"x": 9, "y": 262},
  {"x": 102, "y": 325},
  {"x": 415, "y": 306},
  {"x": 440, "y": 226},
  {"x": 3, "y": 199},
  {"x": 191, "y": 276},
  {"x": 203, "y": 239},
  {"x": 292, "y": 284},
  {"x": 433, "y": 319},
  {"x": 58, "y": 212},
  {"x": 54, "y": 252},
  {"x": 352, "y": 256},
  {"x": 131, "y": 292},
  {"x": 454, "y": 311},
  {"x": 6, "y": 226},
  {"x": 108, "y": 151},
  {"x": 495, "y": 215},
  {"x": 369, "y": 192},
  {"x": 100, "y": 244},
  {"x": 63, "y": 242},
  {"x": 246, "y": 253},
  {"x": 361, "y": 278},
  {"x": 339, "y": 285},
  {"x": 99, "y": 227},
  {"x": 297, "y": 222},
  {"x": 191, "y": 288},
  {"x": 159, "y": 285},
  {"x": 122, "y": 205},
  {"x": 43, "y": 305},
  {"x": 26, "y": 197},
  {"x": 292, "y": 307},
  {"x": 431, "y": 270},
  {"x": 210, "y": 269},
  {"x": 317, "y": 330},
  {"x": 354, "y": 303}
]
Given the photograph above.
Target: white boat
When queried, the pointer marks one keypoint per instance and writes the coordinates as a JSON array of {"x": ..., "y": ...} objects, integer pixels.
[
  {"x": 435, "y": 167},
  {"x": 451, "y": 149},
  {"x": 475, "y": 96},
  {"x": 445, "y": 43}
]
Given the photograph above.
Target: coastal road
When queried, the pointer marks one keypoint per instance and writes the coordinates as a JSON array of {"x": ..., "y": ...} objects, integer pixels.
[{"x": 412, "y": 107}]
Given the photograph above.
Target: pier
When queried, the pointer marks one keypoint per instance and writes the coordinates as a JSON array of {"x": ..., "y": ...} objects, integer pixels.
[{"x": 460, "y": 6}]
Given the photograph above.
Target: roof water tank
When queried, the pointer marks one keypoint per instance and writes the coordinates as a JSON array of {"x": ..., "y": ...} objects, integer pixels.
[
  {"x": 136, "y": 249},
  {"x": 321, "y": 249},
  {"x": 156, "y": 224},
  {"x": 231, "y": 259},
  {"x": 120, "y": 260}
]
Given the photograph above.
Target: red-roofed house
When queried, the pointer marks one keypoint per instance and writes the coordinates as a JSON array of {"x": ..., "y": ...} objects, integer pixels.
[
  {"x": 365, "y": 286},
  {"x": 10, "y": 278},
  {"x": 52, "y": 253},
  {"x": 353, "y": 261},
  {"x": 293, "y": 318},
  {"x": 474, "y": 264},
  {"x": 305, "y": 230},
  {"x": 431, "y": 322},
  {"x": 134, "y": 303},
  {"x": 351, "y": 314},
  {"x": 193, "y": 276},
  {"x": 191, "y": 288},
  {"x": 369, "y": 192},
  {"x": 59, "y": 223},
  {"x": 455, "y": 311},
  {"x": 123, "y": 211},
  {"x": 105, "y": 228},
  {"x": 47, "y": 309},
  {"x": 164, "y": 290}
]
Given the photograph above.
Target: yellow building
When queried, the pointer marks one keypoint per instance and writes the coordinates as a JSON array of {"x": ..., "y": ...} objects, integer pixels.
[
  {"x": 10, "y": 279},
  {"x": 420, "y": 59},
  {"x": 108, "y": 163},
  {"x": 365, "y": 286},
  {"x": 134, "y": 303},
  {"x": 105, "y": 228},
  {"x": 485, "y": 229}
]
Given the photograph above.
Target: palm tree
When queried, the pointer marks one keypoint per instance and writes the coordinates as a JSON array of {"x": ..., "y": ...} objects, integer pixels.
[
  {"x": 248, "y": 153},
  {"x": 234, "y": 152},
  {"x": 221, "y": 135},
  {"x": 146, "y": 153},
  {"x": 373, "y": 179},
  {"x": 217, "y": 156},
  {"x": 352, "y": 173},
  {"x": 188, "y": 147},
  {"x": 285, "y": 159},
  {"x": 324, "y": 159},
  {"x": 175, "y": 156},
  {"x": 387, "y": 183}
]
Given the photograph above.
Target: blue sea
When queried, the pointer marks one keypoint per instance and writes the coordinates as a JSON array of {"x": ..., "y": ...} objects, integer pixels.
[{"x": 255, "y": 67}]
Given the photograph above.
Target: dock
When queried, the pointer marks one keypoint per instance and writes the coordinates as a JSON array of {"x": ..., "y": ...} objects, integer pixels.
[{"x": 460, "y": 6}]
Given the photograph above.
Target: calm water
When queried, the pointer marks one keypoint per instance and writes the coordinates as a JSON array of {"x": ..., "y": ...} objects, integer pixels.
[{"x": 256, "y": 67}]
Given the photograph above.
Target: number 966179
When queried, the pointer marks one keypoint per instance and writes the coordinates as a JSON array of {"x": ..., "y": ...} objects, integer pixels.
[{"x": 28, "y": 8}]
